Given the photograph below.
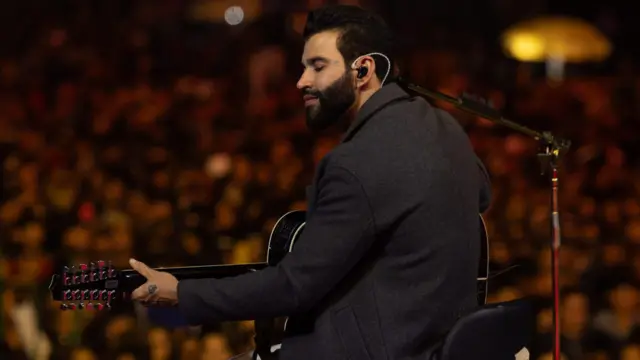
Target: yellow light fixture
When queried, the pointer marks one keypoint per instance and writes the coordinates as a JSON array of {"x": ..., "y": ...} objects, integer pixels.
[
  {"x": 556, "y": 40},
  {"x": 525, "y": 47}
]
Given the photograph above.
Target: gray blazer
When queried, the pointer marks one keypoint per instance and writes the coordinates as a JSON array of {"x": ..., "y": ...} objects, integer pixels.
[{"x": 389, "y": 257}]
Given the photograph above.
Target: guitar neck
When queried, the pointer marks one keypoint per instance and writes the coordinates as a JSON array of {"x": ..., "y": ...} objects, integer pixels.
[
  {"x": 131, "y": 279},
  {"x": 125, "y": 281}
]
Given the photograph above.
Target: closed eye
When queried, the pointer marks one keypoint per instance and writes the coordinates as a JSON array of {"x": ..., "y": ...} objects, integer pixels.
[{"x": 317, "y": 63}]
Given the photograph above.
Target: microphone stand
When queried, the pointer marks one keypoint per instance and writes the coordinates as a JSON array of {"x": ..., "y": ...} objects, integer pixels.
[{"x": 553, "y": 148}]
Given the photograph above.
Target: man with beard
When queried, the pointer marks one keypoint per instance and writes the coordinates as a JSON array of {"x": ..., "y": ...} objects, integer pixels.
[{"x": 389, "y": 255}]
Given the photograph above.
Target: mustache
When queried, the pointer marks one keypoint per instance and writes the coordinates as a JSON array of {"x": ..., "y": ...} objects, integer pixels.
[{"x": 309, "y": 91}]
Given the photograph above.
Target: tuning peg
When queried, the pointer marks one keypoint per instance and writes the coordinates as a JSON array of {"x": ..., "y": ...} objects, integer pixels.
[
  {"x": 68, "y": 295},
  {"x": 101, "y": 272},
  {"x": 92, "y": 271},
  {"x": 94, "y": 306},
  {"x": 81, "y": 306},
  {"x": 67, "y": 306},
  {"x": 77, "y": 295},
  {"x": 70, "y": 279},
  {"x": 83, "y": 273},
  {"x": 65, "y": 276},
  {"x": 86, "y": 295},
  {"x": 73, "y": 274},
  {"x": 111, "y": 271}
]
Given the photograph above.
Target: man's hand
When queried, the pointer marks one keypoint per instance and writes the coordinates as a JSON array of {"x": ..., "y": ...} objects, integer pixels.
[{"x": 161, "y": 288}]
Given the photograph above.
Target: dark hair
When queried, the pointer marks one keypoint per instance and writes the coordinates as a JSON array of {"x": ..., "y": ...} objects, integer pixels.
[{"x": 361, "y": 32}]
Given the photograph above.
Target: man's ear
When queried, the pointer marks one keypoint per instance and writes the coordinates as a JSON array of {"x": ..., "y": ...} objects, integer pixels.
[{"x": 365, "y": 70}]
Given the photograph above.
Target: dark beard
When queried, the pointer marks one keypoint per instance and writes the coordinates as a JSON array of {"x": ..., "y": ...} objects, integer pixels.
[{"x": 333, "y": 103}]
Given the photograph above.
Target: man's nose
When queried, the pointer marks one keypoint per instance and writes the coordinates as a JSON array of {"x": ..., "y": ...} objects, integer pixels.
[{"x": 304, "y": 81}]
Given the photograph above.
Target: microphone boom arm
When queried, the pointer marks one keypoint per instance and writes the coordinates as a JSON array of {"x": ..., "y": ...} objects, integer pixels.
[{"x": 470, "y": 105}]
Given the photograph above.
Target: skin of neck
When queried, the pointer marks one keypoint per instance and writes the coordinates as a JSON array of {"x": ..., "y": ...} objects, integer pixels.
[{"x": 364, "y": 93}]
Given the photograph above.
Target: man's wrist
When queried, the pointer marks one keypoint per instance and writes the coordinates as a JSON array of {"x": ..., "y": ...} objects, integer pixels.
[{"x": 175, "y": 293}]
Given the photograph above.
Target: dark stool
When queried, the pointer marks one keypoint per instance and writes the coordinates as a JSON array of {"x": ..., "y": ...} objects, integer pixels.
[{"x": 493, "y": 332}]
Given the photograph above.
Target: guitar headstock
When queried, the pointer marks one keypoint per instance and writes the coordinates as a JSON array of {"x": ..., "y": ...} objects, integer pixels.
[{"x": 93, "y": 286}]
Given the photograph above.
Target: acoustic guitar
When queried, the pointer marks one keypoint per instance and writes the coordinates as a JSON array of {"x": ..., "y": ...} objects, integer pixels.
[{"x": 99, "y": 285}]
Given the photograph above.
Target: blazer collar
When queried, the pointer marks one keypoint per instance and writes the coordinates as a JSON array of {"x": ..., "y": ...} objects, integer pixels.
[{"x": 379, "y": 100}]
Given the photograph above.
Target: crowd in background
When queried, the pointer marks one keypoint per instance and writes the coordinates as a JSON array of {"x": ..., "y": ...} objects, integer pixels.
[{"x": 127, "y": 131}]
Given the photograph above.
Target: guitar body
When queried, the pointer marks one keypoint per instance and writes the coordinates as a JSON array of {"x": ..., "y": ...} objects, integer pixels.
[
  {"x": 290, "y": 226},
  {"x": 483, "y": 265},
  {"x": 284, "y": 235}
]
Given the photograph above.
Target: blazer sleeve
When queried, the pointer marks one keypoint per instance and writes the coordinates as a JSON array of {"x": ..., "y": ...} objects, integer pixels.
[{"x": 336, "y": 236}]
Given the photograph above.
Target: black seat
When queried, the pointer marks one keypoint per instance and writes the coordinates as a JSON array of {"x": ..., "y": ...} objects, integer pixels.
[{"x": 493, "y": 332}]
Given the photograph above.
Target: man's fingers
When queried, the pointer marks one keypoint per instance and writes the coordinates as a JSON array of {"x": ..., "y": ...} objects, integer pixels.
[
  {"x": 140, "y": 293},
  {"x": 140, "y": 267}
]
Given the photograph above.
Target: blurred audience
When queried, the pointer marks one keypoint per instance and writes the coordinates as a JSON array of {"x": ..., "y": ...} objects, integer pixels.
[{"x": 127, "y": 130}]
